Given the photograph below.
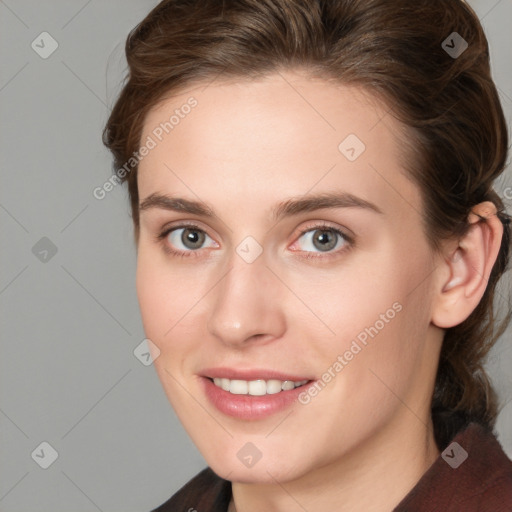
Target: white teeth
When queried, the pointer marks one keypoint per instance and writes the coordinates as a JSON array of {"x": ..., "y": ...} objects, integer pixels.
[
  {"x": 225, "y": 384},
  {"x": 274, "y": 386},
  {"x": 239, "y": 387},
  {"x": 258, "y": 387},
  {"x": 287, "y": 384}
]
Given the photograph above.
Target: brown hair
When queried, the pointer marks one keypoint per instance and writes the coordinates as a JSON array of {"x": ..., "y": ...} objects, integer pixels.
[{"x": 393, "y": 48}]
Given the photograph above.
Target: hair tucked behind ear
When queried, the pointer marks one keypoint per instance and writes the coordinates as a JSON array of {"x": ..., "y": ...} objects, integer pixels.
[
  {"x": 457, "y": 134},
  {"x": 463, "y": 391}
]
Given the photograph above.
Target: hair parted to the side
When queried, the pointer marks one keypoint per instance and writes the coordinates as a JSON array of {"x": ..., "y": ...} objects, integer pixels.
[{"x": 450, "y": 107}]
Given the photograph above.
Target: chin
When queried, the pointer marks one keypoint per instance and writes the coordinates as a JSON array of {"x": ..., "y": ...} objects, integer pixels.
[{"x": 275, "y": 468}]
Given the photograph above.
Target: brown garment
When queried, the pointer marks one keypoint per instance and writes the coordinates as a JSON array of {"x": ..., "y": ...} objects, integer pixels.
[{"x": 482, "y": 482}]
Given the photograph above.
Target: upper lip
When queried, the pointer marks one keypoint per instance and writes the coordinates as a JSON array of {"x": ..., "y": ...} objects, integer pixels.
[{"x": 251, "y": 374}]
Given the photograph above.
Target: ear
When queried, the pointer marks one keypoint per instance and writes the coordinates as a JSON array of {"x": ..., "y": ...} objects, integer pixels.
[{"x": 465, "y": 270}]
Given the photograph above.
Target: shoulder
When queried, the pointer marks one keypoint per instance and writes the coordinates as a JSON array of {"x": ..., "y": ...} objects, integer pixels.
[
  {"x": 489, "y": 481},
  {"x": 205, "y": 492},
  {"x": 472, "y": 474}
]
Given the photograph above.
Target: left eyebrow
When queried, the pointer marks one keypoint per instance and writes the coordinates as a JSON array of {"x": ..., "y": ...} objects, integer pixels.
[{"x": 320, "y": 201}]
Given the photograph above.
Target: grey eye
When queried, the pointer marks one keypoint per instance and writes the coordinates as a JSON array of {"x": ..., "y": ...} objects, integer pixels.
[
  {"x": 192, "y": 238},
  {"x": 189, "y": 239},
  {"x": 322, "y": 240}
]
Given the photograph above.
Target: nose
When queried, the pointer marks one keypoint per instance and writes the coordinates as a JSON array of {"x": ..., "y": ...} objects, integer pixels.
[{"x": 246, "y": 305}]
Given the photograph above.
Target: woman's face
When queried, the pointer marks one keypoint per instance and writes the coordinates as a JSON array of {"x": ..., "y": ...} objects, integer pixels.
[{"x": 280, "y": 240}]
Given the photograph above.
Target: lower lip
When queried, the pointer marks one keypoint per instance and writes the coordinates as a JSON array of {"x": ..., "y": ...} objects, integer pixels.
[{"x": 249, "y": 407}]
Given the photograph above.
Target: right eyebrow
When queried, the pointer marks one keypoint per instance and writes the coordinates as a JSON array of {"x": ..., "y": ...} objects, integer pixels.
[{"x": 175, "y": 204}]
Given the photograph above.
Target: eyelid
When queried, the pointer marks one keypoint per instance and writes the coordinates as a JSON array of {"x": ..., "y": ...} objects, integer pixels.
[
  {"x": 167, "y": 228},
  {"x": 324, "y": 225}
]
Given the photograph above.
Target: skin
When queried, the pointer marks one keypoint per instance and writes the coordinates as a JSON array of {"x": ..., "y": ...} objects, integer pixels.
[{"x": 366, "y": 439}]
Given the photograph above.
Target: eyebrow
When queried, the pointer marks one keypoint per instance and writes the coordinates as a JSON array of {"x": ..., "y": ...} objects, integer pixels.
[
  {"x": 286, "y": 208},
  {"x": 177, "y": 204},
  {"x": 322, "y": 201}
]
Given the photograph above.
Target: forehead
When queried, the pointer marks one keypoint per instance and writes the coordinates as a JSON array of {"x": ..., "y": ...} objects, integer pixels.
[{"x": 272, "y": 138}]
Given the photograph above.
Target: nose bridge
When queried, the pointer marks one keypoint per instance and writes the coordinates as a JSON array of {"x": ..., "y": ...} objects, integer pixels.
[{"x": 246, "y": 302}]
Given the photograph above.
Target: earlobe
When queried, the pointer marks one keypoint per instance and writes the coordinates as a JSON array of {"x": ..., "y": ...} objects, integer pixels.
[{"x": 468, "y": 268}]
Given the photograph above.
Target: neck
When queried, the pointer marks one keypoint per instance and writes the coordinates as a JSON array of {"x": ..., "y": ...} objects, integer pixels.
[{"x": 374, "y": 476}]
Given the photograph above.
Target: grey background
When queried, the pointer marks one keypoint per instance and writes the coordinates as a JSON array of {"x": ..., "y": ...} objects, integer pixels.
[{"x": 70, "y": 323}]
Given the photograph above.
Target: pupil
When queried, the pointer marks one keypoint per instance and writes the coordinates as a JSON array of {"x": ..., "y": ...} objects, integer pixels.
[
  {"x": 325, "y": 240},
  {"x": 192, "y": 239}
]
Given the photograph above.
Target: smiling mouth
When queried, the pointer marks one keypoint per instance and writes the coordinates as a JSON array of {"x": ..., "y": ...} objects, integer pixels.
[{"x": 258, "y": 387}]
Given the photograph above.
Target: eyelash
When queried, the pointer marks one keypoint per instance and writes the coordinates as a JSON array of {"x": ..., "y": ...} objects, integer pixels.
[{"x": 349, "y": 241}]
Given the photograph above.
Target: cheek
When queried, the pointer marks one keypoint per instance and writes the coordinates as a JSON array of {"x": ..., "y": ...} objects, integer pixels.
[
  {"x": 172, "y": 305},
  {"x": 362, "y": 291},
  {"x": 152, "y": 296},
  {"x": 164, "y": 301},
  {"x": 163, "y": 297},
  {"x": 379, "y": 312}
]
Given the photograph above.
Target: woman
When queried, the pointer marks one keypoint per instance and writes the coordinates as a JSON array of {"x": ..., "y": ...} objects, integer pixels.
[{"x": 318, "y": 248}]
